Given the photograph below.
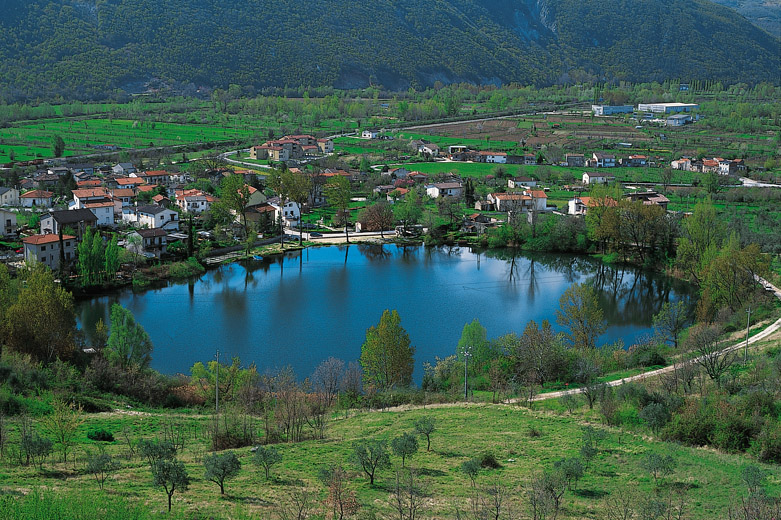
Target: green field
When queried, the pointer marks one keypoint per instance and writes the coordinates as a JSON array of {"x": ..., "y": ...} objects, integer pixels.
[{"x": 713, "y": 479}]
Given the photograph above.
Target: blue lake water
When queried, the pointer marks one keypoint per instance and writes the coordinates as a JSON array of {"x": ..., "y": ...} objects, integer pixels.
[{"x": 306, "y": 306}]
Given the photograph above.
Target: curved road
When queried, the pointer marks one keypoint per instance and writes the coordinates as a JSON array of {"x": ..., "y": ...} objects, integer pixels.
[{"x": 769, "y": 330}]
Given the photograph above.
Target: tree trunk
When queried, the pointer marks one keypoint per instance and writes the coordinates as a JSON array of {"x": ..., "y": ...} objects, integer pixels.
[{"x": 169, "y": 502}]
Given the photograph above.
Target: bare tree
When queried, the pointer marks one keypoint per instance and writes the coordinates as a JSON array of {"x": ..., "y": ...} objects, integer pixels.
[
  {"x": 704, "y": 341},
  {"x": 621, "y": 504},
  {"x": 299, "y": 504},
  {"x": 408, "y": 495},
  {"x": 327, "y": 379}
]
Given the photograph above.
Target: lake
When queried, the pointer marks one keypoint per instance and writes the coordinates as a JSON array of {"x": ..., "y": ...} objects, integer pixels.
[{"x": 299, "y": 309}]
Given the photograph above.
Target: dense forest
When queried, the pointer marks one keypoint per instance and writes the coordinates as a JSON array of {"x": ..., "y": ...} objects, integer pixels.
[{"x": 92, "y": 49}]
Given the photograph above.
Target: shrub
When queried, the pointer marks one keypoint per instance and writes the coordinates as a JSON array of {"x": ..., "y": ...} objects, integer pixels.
[
  {"x": 101, "y": 435},
  {"x": 488, "y": 460},
  {"x": 767, "y": 446}
]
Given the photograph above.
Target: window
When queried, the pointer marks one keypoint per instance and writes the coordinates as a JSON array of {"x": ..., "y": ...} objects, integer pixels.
[{"x": 43, "y": 248}]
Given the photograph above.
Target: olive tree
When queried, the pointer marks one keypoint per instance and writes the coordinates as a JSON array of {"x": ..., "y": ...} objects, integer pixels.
[
  {"x": 405, "y": 445},
  {"x": 426, "y": 425},
  {"x": 266, "y": 457},
  {"x": 221, "y": 467},
  {"x": 170, "y": 475}
]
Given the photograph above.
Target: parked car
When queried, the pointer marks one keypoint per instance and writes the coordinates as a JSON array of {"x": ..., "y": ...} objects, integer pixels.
[{"x": 315, "y": 234}]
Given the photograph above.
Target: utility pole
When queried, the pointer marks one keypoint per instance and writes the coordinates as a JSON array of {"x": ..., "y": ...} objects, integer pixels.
[
  {"x": 748, "y": 322},
  {"x": 466, "y": 374},
  {"x": 217, "y": 386}
]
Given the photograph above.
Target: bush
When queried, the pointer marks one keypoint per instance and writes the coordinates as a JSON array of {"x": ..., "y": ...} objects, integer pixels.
[
  {"x": 100, "y": 435},
  {"x": 488, "y": 460},
  {"x": 767, "y": 446}
]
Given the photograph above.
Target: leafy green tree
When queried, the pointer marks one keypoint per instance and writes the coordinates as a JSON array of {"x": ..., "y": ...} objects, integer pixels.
[
  {"x": 703, "y": 233},
  {"x": 655, "y": 415},
  {"x": 62, "y": 423},
  {"x": 386, "y": 355},
  {"x": 36, "y": 447},
  {"x": 112, "y": 263},
  {"x": 58, "y": 146},
  {"x": 266, "y": 457},
  {"x": 426, "y": 425},
  {"x": 659, "y": 466},
  {"x": 671, "y": 321},
  {"x": 471, "y": 469},
  {"x": 154, "y": 451},
  {"x": 128, "y": 343},
  {"x": 41, "y": 322},
  {"x": 410, "y": 211},
  {"x": 474, "y": 341},
  {"x": 221, "y": 467},
  {"x": 371, "y": 456},
  {"x": 338, "y": 192},
  {"x": 571, "y": 469},
  {"x": 405, "y": 445},
  {"x": 234, "y": 195},
  {"x": 579, "y": 311},
  {"x": 170, "y": 475},
  {"x": 101, "y": 465},
  {"x": 297, "y": 187}
]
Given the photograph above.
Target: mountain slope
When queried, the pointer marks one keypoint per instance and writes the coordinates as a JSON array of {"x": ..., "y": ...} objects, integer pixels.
[
  {"x": 84, "y": 48},
  {"x": 762, "y": 13}
]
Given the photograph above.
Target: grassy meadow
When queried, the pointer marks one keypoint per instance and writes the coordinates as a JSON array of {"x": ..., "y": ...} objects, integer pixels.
[{"x": 523, "y": 441}]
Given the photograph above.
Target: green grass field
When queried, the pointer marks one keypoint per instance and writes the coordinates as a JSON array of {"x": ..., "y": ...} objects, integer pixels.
[{"x": 462, "y": 433}]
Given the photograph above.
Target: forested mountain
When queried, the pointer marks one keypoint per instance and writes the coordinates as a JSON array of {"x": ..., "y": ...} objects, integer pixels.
[
  {"x": 88, "y": 48},
  {"x": 762, "y": 13}
]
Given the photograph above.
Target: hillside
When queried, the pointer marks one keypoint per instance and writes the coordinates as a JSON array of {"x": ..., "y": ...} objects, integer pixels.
[
  {"x": 88, "y": 48},
  {"x": 762, "y": 13}
]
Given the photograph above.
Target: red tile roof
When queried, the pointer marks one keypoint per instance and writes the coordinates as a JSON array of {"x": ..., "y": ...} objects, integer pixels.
[
  {"x": 37, "y": 194},
  {"x": 45, "y": 239}
]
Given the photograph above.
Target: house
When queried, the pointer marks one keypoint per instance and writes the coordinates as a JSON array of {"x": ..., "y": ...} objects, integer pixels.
[
  {"x": 492, "y": 157},
  {"x": 46, "y": 180},
  {"x": 681, "y": 164},
  {"x": 131, "y": 183},
  {"x": 75, "y": 220},
  {"x": 604, "y": 160},
  {"x": 46, "y": 249},
  {"x": 727, "y": 167},
  {"x": 7, "y": 223},
  {"x": 429, "y": 149},
  {"x": 104, "y": 211},
  {"x": 609, "y": 110},
  {"x": 478, "y": 223},
  {"x": 444, "y": 189},
  {"x": 710, "y": 165},
  {"x": 383, "y": 189},
  {"x": 520, "y": 182},
  {"x": 153, "y": 242},
  {"x": 678, "y": 120},
  {"x": 289, "y": 211},
  {"x": 193, "y": 201},
  {"x": 529, "y": 159},
  {"x": 156, "y": 217},
  {"x": 597, "y": 178},
  {"x": 89, "y": 183},
  {"x": 325, "y": 145},
  {"x": 124, "y": 195},
  {"x": 369, "y": 134},
  {"x": 580, "y": 205},
  {"x": 418, "y": 177},
  {"x": 38, "y": 198},
  {"x": 667, "y": 108},
  {"x": 263, "y": 212},
  {"x": 89, "y": 195},
  {"x": 59, "y": 171},
  {"x": 485, "y": 205},
  {"x": 575, "y": 160},
  {"x": 635, "y": 161},
  {"x": 528, "y": 200},
  {"x": 271, "y": 152},
  {"x": 398, "y": 193},
  {"x": 152, "y": 176},
  {"x": 162, "y": 200},
  {"x": 649, "y": 198},
  {"x": 87, "y": 168},
  {"x": 397, "y": 173},
  {"x": 9, "y": 197},
  {"x": 124, "y": 168}
]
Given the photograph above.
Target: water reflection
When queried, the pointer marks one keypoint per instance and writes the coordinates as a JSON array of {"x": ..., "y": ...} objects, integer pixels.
[{"x": 272, "y": 315}]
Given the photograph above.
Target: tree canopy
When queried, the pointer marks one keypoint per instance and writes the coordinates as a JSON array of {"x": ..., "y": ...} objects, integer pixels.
[{"x": 387, "y": 355}]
